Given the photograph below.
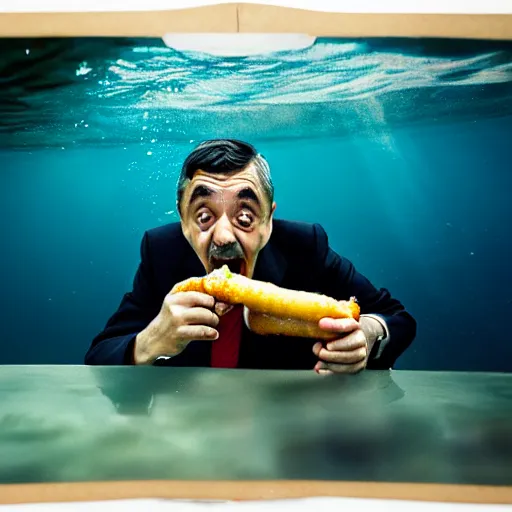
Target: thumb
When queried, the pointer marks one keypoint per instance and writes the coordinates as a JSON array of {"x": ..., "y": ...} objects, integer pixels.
[
  {"x": 221, "y": 308},
  {"x": 339, "y": 325}
]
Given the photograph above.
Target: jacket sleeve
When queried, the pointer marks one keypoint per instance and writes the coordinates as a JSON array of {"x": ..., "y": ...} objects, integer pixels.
[
  {"x": 339, "y": 278},
  {"x": 114, "y": 344}
]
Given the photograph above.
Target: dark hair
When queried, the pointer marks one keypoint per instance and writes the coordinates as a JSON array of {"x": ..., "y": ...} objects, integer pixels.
[{"x": 224, "y": 156}]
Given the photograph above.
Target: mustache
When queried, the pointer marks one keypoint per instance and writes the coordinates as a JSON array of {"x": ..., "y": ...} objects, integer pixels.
[{"x": 226, "y": 252}]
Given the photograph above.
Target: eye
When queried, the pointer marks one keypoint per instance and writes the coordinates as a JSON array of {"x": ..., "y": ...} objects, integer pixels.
[
  {"x": 245, "y": 219},
  {"x": 204, "y": 218}
]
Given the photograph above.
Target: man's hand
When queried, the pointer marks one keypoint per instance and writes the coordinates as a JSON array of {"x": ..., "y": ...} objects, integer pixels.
[
  {"x": 221, "y": 308},
  {"x": 347, "y": 354},
  {"x": 183, "y": 317}
]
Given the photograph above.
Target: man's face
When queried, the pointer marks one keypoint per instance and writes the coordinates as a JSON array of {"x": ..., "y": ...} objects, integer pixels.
[{"x": 227, "y": 219}]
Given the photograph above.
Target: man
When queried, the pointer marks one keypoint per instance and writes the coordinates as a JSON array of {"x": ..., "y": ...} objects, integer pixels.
[{"x": 226, "y": 204}]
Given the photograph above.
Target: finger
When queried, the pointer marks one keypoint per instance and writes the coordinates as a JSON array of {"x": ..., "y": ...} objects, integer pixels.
[
  {"x": 200, "y": 316},
  {"x": 353, "y": 341},
  {"x": 332, "y": 368},
  {"x": 192, "y": 299},
  {"x": 317, "y": 347},
  {"x": 338, "y": 324},
  {"x": 322, "y": 371},
  {"x": 345, "y": 357},
  {"x": 222, "y": 308},
  {"x": 197, "y": 332}
]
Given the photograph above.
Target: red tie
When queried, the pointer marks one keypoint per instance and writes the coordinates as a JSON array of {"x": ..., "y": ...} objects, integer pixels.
[{"x": 226, "y": 347}]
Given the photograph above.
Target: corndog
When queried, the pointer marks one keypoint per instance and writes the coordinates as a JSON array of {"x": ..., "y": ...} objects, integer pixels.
[
  {"x": 272, "y": 309},
  {"x": 260, "y": 323},
  {"x": 193, "y": 284}
]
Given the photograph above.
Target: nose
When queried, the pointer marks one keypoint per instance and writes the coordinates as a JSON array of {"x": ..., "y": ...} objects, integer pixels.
[{"x": 223, "y": 232}]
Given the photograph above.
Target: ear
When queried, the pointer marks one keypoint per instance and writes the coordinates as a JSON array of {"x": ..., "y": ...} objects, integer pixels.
[
  {"x": 270, "y": 225},
  {"x": 184, "y": 228}
]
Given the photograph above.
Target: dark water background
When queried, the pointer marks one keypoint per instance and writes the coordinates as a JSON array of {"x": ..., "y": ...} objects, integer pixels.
[{"x": 399, "y": 148}]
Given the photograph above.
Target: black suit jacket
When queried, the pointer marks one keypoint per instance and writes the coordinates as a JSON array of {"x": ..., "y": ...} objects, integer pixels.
[{"x": 297, "y": 256}]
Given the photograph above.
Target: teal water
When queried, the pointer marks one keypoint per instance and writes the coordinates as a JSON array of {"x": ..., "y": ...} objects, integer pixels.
[{"x": 400, "y": 149}]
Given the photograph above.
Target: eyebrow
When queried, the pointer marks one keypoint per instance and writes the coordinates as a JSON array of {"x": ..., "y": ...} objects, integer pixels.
[
  {"x": 248, "y": 193},
  {"x": 200, "y": 191}
]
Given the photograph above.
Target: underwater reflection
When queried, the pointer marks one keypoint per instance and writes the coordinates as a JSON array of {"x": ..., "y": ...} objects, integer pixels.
[{"x": 112, "y": 423}]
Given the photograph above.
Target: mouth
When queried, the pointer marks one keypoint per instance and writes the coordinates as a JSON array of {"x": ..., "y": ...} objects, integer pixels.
[{"x": 235, "y": 265}]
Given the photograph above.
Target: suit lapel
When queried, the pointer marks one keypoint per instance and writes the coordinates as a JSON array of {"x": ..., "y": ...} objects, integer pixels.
[
  {"x": 198, "y": 353},
  {"x": 271, "y": 264},
  {"x": 190, "y": 261}
]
